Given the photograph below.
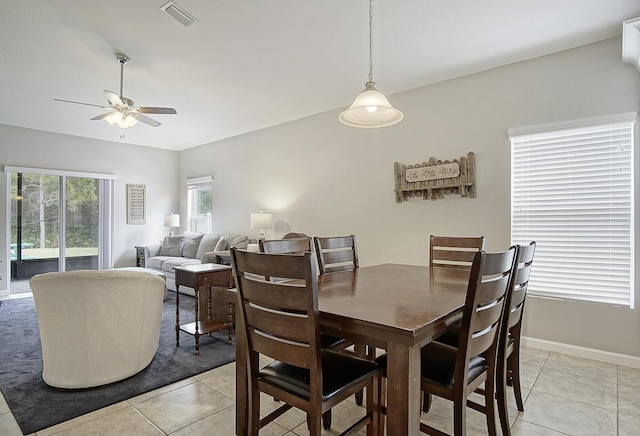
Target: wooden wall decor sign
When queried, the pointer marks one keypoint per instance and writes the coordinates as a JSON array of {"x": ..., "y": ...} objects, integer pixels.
[{"x": 434, "y": 179}]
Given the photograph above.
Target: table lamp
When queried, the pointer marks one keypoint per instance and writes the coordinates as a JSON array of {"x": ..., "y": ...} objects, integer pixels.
[
  {"x": 171, "y": 220},
  {"x": 261, "y": 221}
]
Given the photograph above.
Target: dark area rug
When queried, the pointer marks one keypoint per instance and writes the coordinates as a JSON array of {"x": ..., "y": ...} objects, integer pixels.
[{"x": 37, "y": 406}]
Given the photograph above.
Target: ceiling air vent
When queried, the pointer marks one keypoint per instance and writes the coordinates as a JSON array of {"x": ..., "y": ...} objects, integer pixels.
[{"x": 171, "y": 8}]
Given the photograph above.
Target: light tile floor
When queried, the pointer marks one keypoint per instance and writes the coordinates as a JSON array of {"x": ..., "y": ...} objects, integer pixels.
[{"x": 564, "y": 395}]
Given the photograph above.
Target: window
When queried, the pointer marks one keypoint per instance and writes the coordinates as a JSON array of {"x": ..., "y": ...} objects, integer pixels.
[
  {"x": 200, "y": 204},
  {"x": 59, "y": 220},
  {"x": 572, "y": 193}
]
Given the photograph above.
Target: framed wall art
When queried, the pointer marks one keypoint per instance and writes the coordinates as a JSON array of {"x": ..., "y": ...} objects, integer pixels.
[{"x": 136, "y": 204}]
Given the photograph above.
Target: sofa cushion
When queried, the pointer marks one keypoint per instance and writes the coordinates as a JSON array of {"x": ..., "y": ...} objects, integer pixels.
[
  {"x": 235, "y": 240},
  {"x": 170, "y": 264},
  {"x": 157, "y": 261},
  {"x": 191, "y": 244},
  {"x": 172, "y": 246},
  {"x": 207, "y": 243}
]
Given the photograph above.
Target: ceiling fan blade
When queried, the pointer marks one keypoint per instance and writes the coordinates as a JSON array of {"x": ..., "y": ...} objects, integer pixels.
[
  {"x": 144, "y": 119},
  {"x": 102, "y": 116},
  {"x": 114, "y": 99},
  {"x": 78, "y": 102},
  {"x": 156, "y": 110}
]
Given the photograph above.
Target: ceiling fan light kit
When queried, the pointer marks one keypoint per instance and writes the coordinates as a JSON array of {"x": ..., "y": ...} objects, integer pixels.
[
  {"x": 122, "y": 112},
  {"x": 371, "y": 109}
]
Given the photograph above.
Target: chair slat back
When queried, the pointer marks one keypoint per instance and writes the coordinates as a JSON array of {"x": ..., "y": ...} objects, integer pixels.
[
  {"x": 280, "y": 318},
  {"x": 337, "y": 253},
  {"x": 453, "y": 251},
  {"x": 489, "y": 283},
  {"x": 286, "y": 246},
  {"x": 521, "y": 282}
]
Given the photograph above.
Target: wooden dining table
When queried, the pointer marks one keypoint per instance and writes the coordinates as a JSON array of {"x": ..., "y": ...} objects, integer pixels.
[{"x": 395, "y": 307}]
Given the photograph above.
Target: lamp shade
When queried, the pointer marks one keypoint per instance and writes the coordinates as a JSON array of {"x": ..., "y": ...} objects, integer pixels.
[
  {"x": 261, "y": 220},
  {"x": 172, "y": 220},
  {"x": 371, "y": 109}
]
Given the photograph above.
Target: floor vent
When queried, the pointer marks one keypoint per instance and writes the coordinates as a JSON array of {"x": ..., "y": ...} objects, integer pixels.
[{"x": 177, "y": 12}]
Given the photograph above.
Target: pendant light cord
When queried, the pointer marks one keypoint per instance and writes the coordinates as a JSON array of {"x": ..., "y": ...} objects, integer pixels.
[{"x": 370, "y": 40}]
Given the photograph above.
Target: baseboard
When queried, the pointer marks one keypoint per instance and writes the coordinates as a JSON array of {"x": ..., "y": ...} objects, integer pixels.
[{"x": 587, "y": 353}]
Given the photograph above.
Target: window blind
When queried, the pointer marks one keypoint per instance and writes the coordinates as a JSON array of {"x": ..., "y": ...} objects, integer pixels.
[{"x": 572, "y": 193}]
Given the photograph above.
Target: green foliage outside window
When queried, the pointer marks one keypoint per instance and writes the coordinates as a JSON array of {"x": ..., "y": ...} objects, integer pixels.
[
  {"x": 204, "y": 200},
  {"x": 41, "y": 208}
]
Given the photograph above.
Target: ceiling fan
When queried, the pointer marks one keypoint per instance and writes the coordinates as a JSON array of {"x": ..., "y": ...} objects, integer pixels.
[{"x": 122, "y": 111}]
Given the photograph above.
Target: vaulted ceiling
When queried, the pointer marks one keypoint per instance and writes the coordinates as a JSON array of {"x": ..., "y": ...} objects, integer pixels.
[{"x": 250, "y": 64}]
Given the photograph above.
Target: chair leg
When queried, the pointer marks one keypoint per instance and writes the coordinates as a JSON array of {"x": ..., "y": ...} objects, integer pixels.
[
  {"x": 326, "y": 420},
  {"x": 427, "y": 398},
  {"x": 253, "y": 417},
  {"x": 359, "y": 397},
  {"x": 314, "y": 424},
  {"x": 489, "y": 405},
  {"x": 501, "y": 397},
  {"x": 361, "y": 351},
  {"x": 514, "y": 366},
  {"x": 459, "y": 417},
  {"x": 383, "y": 404},
  {"x": 374, "y": 405}
]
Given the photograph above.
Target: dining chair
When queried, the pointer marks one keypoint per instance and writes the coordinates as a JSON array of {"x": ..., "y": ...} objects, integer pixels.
[
  {"x": 340, "y": 253},
  {"x": 508, "y": 363},
  {"x": 453, "y": 251},
  {"x": 280, "y": 320},
  {"x": 300, "y": 245},
  {"x": 336, "y": 253},
  {"x": 454, "y": 373},
  {"x": 508, "y": 366}
]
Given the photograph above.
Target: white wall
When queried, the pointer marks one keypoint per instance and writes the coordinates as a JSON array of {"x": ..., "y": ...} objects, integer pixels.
[
  {"x": 155, "y": 168},
  {"x": 322, "y": 178}
]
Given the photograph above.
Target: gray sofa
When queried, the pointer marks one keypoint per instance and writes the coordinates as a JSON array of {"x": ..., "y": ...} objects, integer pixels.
[{"x": 189, "y": 249}]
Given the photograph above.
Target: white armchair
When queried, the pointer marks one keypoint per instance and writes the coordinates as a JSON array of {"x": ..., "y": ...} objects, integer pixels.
[{"x": 97, "y": 327}]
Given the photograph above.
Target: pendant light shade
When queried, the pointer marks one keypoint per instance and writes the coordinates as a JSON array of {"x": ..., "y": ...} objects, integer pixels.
[{"x": 370, "y": 109}]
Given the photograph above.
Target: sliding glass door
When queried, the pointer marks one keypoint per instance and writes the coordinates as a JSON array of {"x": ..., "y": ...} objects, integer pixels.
[
  {"x": 59, "y": 222},
  {"x": 81, "y": 223}
]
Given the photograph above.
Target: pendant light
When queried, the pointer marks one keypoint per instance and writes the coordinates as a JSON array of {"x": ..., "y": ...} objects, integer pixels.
[{"x": 370, "y": 109}]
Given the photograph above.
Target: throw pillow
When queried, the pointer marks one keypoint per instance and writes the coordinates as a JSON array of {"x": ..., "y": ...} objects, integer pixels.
[
  {"x": 235, "y": 240},
  {"x": 221, "y": 245},
  {"x": 208, "y": 243},
  {"x": 191, "y": 244},
  {"x": 172, "y": 246}
]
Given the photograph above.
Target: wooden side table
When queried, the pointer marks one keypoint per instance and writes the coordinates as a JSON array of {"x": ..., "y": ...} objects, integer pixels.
[
  {"x": 223, "y": 259},
  {"x": 196, "y": 277}
]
